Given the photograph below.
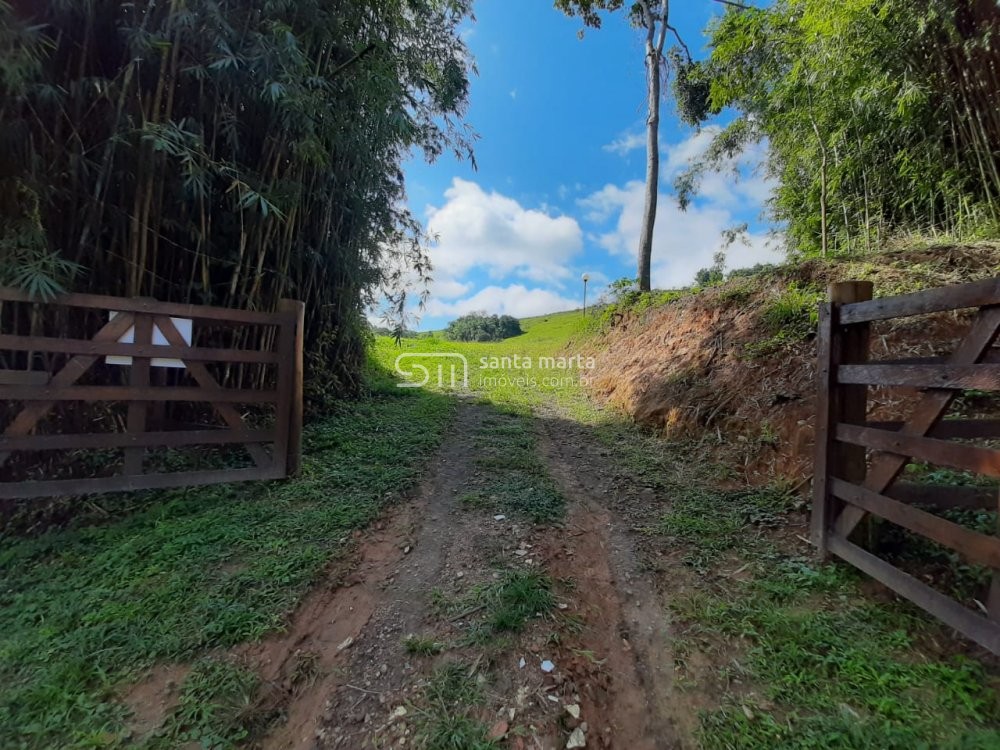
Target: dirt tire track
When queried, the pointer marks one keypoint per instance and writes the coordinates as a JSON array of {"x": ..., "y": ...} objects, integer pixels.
[
  {"x": 619, "y": 667},
  {"x": 375, "y": 673},
  {"x": 625, "y": 617}
]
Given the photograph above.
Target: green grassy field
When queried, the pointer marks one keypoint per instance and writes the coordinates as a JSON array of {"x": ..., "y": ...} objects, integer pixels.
[{"x": 544, "y": 365}]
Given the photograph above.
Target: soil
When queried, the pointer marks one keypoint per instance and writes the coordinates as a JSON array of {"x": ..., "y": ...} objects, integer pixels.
[
  {"x": 688, "y": 368},
  {"x": 616, "y": 664},
  {"x": 341, "y": 677}
]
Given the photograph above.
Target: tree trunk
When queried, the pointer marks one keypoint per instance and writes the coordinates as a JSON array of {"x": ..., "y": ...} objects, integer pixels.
[{"x": 654, "y": 54}]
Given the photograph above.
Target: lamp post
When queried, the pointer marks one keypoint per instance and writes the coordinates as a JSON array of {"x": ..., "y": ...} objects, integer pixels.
[{"x": 586, "y": 278}]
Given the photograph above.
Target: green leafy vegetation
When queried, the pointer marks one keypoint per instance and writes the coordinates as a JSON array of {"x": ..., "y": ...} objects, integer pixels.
[
  {"x": 214, "y": 708},
  {"x": 83, "y": 611},
  {"x": 422, "y": 645},
  {"x": 513, "y": 478},
  {"x": 483, "y": 327},
  {"x": 501, "y": 607},
  {"x": 835, "y": 669},
  {"x": 545, "y": 371},
  {"x": 230, "y": 154},
  {"x": 878, "y": 115},
  {"x": 788, "y": 317},
  {"x": 821, "y": 665}
]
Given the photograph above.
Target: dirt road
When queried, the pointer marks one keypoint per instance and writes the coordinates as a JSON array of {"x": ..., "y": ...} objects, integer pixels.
[{"x": 362, "y": 662}]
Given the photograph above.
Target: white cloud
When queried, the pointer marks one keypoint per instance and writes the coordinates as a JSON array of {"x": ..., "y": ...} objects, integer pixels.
[
  {"x": 476, "y": 229},
  {"x": 683, "y": 241},
  {"x": 739, "y": 180},
  {"x": 625, "y": 143},
  {"x": 513, "y": 93},
  {"x": 446, "y": 288},
  {"x": 515, "y": 299}
]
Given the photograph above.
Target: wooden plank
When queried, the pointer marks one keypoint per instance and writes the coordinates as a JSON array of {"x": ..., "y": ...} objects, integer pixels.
[
  {"x": 145, "y": 393},
  {"x": 967, "y": 429},
  {"x": 291, "y": 385},
  {"x": 837, "y": 345},
  {"x": 940, "y": 452},
  {"x": 965, "y": 621},
  {"x": 992, "y": 356},
  {"x": 150, "y": 307},
  {"x": 173, "y": 439},
  {"x": 955, "y": 297},
  {"x": 24, "y": 377},
  {"x": 113, "y": 348},
  {"x": 135, "y": 421},
  {"x": 945, "y": 496},
  {"x": 993, "y": 595},
  {"x": 26, "y": 420},
  {"x": 976, "y": 547},
  {"x": 822, "y": 513},
  {"x": 933, "y": 405},
  {"x": 204, "y": 378},
  {"x": 79, "y": 487},
  {"x": 963, "y": 377}
]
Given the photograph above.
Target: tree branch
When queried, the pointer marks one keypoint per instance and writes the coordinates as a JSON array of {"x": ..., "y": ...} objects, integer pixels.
[{"x": 677, "y": 36}]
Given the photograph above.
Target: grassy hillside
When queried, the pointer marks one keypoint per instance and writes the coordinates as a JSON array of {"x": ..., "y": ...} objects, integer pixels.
[{"x": 536, "y": 367}]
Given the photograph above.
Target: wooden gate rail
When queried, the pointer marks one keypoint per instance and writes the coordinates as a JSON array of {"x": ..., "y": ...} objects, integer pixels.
[
  {"x": 848, "y": 486},
  {"x": 40, "y": 391}
]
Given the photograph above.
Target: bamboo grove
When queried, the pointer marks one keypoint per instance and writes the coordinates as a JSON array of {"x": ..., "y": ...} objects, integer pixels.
[
  {"x": 882, "y": 117},
  {"x": 226, "y": 152}
]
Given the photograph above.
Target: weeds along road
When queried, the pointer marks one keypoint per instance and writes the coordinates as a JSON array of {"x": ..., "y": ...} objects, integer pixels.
[{"x": 505, "y": 565}]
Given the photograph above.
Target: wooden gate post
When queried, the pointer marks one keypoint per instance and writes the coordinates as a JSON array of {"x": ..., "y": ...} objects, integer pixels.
[
  {"x": 293, "y": 357},
  {"x": 836, "y": 345}
]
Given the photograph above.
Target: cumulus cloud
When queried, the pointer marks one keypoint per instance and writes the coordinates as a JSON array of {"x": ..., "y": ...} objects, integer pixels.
[
  {"x": 625, "y": 143},
  {"x": 515, "y": 299},
  {"x": 683, "y": 241},
  {"x": 686, "y": 241},
  {"x": 738, "y": 182},
  {"x": 479, "y": 230}
]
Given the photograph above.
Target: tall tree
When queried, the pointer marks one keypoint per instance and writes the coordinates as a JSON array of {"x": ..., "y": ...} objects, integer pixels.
[
  {"x": 226, "y": 152},
  {"x": 653, "y": 17}
]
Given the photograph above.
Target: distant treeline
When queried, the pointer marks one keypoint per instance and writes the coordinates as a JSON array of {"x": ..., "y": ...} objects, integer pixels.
[{"x": 483, "y": 327}]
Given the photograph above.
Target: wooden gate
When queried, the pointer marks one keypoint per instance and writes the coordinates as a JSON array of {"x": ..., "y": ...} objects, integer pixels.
[
  {"x": 858, "y": 462},
  {"x": 143, "y": 335}
]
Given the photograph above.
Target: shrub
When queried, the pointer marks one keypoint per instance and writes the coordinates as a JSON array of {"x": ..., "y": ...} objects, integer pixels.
[{"x": 482, "y": 327}]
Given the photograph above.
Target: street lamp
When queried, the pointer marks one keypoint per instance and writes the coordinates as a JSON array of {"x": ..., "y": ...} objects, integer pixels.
[{"x": 586, "y": 278}]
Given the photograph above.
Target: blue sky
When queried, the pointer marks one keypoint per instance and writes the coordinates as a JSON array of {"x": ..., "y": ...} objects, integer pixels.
[{"x": 561, "y": 165}]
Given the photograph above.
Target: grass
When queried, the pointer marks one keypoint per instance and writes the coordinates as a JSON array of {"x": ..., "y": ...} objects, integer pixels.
[
  {"x": 788, "y": 317},
  {"x": 444, "y": 720},
  {"x": 818, "y": 663},
  {"x": 500, "y": 607},
  {"x": 546, "y": 370},
  {"x": 810, "y": 661},
  {"x": 513, "y": 478},
  {"x": 85, "y": 610},
  {"x": 836, "y": 670},
  {"x": 214, "y": 708}
]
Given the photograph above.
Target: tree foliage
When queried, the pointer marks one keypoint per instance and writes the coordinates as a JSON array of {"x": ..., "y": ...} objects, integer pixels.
[
  {"x": 479, "y": 326},
  {"x": 882, "y": 116},
  {"x": 226, "y": 153}
]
